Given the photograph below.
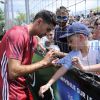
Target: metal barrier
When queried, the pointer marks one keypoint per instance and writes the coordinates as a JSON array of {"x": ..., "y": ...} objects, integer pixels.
[{"x": 77, "y": 85}]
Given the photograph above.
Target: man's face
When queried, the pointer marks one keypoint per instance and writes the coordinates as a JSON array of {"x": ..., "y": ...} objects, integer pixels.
[
  {"x": 43, "y": 27},
  {"x": 62, "y": 18}
]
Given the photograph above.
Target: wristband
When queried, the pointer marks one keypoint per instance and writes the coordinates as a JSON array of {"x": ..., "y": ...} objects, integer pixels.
[{"x": 48, "y": 85}]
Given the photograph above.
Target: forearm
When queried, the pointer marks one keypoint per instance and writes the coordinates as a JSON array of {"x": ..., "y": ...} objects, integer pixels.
[
  {"x": 15, "y": 68},
  {"x": 92, "y": 68},
  {"x": 32, "y": 67},
  {"x": 25, "y": 69},
  {"x": 60, "y": 72},
  {"x": 61, "y": 54},
  {"x": 41, "y": 46}
]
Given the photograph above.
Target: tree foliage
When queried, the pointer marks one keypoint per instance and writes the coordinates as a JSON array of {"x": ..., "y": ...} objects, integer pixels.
[
  {"x": 20, "y": 19},
  {"x": 2, "y": 22}
]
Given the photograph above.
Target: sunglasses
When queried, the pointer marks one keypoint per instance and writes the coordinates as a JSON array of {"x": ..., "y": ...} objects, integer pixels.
[{"x": 61, "y": 18}]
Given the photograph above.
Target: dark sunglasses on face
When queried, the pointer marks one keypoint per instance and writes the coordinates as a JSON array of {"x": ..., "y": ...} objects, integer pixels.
[{"x": 62, "y": 18}]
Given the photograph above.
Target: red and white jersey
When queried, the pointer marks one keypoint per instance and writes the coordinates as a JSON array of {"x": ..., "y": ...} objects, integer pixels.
[{"x": 16, "y": 44}]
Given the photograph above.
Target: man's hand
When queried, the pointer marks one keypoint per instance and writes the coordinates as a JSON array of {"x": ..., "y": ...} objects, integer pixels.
[
  {"x": 49, "y": 57},
  {"x": 60, "y": 54},
  {"x": 77, "y": 63}
]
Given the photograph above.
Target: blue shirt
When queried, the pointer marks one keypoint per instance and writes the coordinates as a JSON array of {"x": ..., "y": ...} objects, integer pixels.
[{"x": 94, "y": 55}]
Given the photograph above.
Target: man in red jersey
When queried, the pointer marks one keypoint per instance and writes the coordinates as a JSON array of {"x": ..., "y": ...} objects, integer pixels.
[{"x": 16, "y": 50}]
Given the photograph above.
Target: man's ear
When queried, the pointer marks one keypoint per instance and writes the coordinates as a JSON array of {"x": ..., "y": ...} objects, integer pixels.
[{"x": 39, "y": 21}]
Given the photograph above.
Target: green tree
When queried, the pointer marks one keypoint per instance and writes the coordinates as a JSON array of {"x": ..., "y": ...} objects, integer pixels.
[
  {"x": 20, "y": 19},
  {"x": 1, "y": 15},
  {"x": 97, "y": 9},
  {"x": 2, "y": 23}
]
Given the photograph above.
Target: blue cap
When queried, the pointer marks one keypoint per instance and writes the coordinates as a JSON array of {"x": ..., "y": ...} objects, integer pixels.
[{"x": 76, "y": 28}]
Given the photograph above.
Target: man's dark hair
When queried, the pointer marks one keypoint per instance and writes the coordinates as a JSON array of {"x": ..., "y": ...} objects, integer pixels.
[
  {"x": 62, "y": 8},
  {"x": 48, "y": 17}
]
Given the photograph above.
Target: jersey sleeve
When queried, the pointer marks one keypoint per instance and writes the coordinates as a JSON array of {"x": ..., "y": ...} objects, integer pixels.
[{"x": 15, "y": 45}]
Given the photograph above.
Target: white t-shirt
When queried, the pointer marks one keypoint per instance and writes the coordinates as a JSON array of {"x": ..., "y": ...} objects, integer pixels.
[
  {"x": 52, "y": 46},
  {"x": 90, "y": 58},
  {"x": 43, "y": 41}
]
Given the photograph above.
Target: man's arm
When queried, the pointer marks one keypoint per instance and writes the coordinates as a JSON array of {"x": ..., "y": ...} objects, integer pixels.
[{"x": 16, "y": 69}]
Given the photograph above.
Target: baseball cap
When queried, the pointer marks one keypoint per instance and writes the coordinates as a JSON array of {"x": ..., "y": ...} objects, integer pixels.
[{"x": 76, "y": 28}]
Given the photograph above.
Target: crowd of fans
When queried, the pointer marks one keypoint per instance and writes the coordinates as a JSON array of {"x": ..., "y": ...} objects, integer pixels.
[
  {"x": 64, "y": 41},
  {"x": 78, "y": 24},
  {"x": 63, "y": 19}
]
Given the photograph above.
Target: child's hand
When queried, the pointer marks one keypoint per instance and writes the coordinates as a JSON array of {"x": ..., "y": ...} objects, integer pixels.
[
  {"x": 43, "y": 89},
  {"x": 77, "y": 63}
]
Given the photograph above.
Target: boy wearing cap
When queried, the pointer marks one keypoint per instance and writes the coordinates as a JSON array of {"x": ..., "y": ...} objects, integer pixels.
[{"x": 87, "y": 51}]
